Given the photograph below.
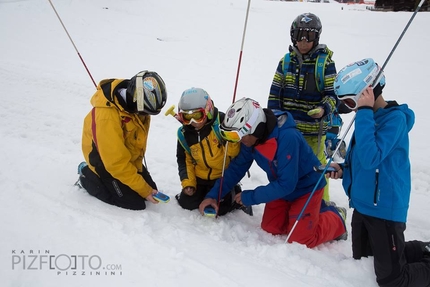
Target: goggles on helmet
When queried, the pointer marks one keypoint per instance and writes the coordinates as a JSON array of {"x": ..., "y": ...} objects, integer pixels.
[
  {"x": 236, "y": 134},
  {"x": 197, "y": 116},
  {"x": 350, "y": 100},
  {"x": 233, "y": 136},
  {"x": 307, "y": 34}
]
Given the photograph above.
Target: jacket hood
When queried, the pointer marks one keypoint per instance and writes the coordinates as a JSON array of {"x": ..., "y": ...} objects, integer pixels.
[
  {"x": 264, "y": 129},
  {"x": 409, "y": 114},
  {"x": 318, "y": 49},
  {"x": 107, "y": 94},
  {"x": 275, "y": 118},
  {"x": 285, "y": 120}
]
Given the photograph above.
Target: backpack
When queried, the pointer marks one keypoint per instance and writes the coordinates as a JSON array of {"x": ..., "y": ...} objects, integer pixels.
[
  {"x": 215, "y": 128},
  {"x": 319, "y": 71},
  {"x": 320, "y": 64}
]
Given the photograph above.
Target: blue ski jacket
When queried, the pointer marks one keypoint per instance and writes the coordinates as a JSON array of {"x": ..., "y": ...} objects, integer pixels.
[
  {"x": 377, "y": 172},
  {"x": 286, "y": 158}
]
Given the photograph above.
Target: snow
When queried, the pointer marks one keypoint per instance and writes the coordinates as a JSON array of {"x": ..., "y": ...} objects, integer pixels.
[{"x": 45, "y": 91}]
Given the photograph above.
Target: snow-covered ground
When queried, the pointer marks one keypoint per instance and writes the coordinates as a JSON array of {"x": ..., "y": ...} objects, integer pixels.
[{"x": 46, "y": 222}]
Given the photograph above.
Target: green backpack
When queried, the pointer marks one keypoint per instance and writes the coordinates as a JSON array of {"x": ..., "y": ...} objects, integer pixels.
[{"x": 319, "y": 71}]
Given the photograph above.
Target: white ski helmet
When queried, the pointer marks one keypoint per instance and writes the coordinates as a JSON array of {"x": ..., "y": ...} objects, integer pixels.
[{"x": 242, "y": 117}]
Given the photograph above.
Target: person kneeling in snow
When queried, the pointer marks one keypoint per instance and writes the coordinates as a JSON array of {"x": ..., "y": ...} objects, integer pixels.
[
  {"x": 279, "y": 148},
  {"x": 200, "y": 151},
  {"x": 377, "y": 178},
  {"x": 114, "y": 140}
]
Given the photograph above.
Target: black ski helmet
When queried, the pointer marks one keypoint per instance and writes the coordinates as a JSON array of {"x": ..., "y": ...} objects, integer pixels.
[
  {"x": 306, "y": 22},
  {"x": 148, "y": 91}
]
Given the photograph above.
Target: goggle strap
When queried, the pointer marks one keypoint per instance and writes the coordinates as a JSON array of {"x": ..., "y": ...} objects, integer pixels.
[{"x": 138, "y": 93}]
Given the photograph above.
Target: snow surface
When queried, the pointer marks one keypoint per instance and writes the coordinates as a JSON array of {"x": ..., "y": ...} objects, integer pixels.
[{"x": 45, "y": 91}]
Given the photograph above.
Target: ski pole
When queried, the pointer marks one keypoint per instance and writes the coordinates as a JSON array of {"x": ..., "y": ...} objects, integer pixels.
[
  {"x": 398, "y": 41},
  {"x": 352, "y": 121},
  {"x": 222, "y": 177},
  {"x": 319, "y": 180},
  {"x": 70, "y": 38},
  {"x": 234, "y": 98},
  {"x": 241, "y": 51}
]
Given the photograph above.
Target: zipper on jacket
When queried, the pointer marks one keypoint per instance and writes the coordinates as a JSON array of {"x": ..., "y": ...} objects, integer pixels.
[
  {"x": 204, "y": 155},
  {"x": 209, "y": 146},
  {"x": 376, "y": 193}
]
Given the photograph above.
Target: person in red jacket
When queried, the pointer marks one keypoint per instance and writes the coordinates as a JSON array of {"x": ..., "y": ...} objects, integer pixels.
[{"x": 114, "y": 140}]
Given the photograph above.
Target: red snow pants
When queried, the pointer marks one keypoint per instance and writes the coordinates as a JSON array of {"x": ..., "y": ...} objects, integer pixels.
[{"x": 319, "y": 223}]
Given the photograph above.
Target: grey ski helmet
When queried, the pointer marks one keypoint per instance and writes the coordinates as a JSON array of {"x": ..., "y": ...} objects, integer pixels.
[{"x": 194, "y": 99}]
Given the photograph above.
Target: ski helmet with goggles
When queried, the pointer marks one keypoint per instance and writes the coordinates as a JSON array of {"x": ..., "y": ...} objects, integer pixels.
[
  {"x": 242, "y": 118},
  {"x": 352, "y": 80},
  {"x": 195, "y": 105},
  {"x": 306, "y": 26},
  {"x": 148, "y": 91}
]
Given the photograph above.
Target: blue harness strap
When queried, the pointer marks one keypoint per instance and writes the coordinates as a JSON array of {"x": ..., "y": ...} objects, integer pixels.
[{"x": 319, "y": 69}]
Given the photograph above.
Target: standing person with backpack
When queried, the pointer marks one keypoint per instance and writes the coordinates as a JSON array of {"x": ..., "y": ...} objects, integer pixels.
[
  {"x": 114, "y": 140},
  {"x": 303, "y": 84},
  {"x": 377, "y": 178},
  {"x": 201, "y": 150}
]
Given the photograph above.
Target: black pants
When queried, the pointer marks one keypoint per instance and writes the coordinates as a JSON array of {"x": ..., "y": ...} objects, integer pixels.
[
  {"x": 396, "y": 262},
  {"x": 112, "y": 191},
  {"x": 203, "y": 187}
]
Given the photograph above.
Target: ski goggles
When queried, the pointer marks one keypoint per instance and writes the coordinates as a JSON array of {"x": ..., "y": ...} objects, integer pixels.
[
  {"x": 196, "y": 116},
  {"x": 350, "y": 100},
  {"x": 307, "y": 34},
  {"x": 234, "y": 135}
]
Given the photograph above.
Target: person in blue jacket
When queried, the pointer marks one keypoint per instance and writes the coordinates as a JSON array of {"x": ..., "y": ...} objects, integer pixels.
[
  {"x": 377, "y": 178},
  {"x": 279, "y": 148}
]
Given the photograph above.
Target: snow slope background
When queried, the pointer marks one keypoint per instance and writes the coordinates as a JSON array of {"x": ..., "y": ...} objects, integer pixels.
[{"x": 47, "y": 223}]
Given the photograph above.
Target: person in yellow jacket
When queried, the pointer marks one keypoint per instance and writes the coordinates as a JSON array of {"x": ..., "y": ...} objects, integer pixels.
[
  {"x": 114, "y": 140},
  {"x": 201, "y": 151}
]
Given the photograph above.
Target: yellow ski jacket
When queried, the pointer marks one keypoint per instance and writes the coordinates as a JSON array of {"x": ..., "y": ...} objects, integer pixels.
[
  {"x": 114, "y": 140},
  {"x": 207, "y": 154}
]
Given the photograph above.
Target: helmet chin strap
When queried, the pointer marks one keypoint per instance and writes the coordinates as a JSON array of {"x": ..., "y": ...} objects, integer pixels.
[{"x": 138, "y": 93}]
